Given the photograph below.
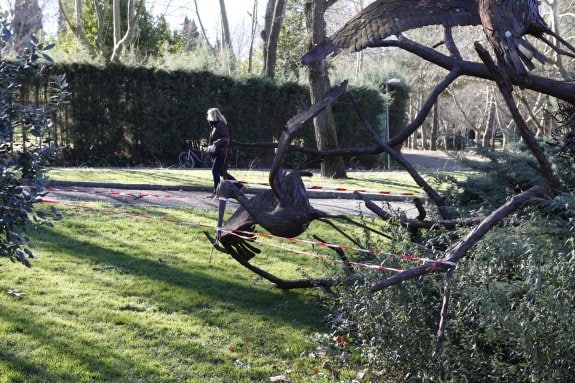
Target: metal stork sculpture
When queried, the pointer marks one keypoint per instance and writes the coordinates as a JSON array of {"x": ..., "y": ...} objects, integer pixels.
[{"x": 283, "y": 211}]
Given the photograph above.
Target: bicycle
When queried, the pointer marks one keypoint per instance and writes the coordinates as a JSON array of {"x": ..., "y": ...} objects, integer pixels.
[{"x": 194, "y": 157}]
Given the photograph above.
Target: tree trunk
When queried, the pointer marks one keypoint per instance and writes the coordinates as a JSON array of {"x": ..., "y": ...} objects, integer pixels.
[
  {"x": 120, "y": 42},
  {"x": 204, "y": 32},
  {"x": 226, "y": 36},
  {"x": 424, "y": 145},
  {"x": 117, "y": 17},
  {"x": 272, "y": 34},
  {"x": 79, "y": 16},
  {"x": 412, "y": 137},
  {"x": 253, "y": 35},
  {"x": 435, "y": 125},
  {"x": 324, "y": 123},
  {"x": 268, "y": 19},
  {"x": 77, "y": 26},
  {"x": 490, "y": 126}
]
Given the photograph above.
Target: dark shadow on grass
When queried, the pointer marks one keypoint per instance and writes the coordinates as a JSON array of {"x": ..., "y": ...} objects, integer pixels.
[
  {"x": 101, "y": 361},
  {"x": 237, "y": 296}
]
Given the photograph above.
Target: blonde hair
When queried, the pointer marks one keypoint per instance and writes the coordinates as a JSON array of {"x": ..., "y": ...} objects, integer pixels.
[{"x": 214, "y": 114}]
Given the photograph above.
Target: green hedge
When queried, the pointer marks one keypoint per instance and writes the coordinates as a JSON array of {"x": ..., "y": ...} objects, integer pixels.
[{"x": 128, "y": 116}]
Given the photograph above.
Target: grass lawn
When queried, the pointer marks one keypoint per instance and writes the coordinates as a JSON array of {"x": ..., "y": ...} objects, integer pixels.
[
  {"x": 132, "y": 294},
  {"x": 392, "y": 181},
  {"x": 114, "y": 297}
]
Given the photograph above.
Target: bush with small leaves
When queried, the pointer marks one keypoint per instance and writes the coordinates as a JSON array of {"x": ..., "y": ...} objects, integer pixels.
[{"x": 21, "y": 166}]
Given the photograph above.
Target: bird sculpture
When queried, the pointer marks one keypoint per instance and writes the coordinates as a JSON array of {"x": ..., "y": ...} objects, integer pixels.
[
  {"x": 284, "y": 210},
  {"x": 287, "y": 216},
  {"x": 504, "y": 22}
]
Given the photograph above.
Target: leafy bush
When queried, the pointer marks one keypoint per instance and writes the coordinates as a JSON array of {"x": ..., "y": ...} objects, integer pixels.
[
  {"x": 512, "y": 305},
  {"x": 21, "y": 166},
  {"x": 511, "y": 314}
]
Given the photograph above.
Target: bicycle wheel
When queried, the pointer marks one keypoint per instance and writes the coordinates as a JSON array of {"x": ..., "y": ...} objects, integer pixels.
[{"x": 186, "y": 160}]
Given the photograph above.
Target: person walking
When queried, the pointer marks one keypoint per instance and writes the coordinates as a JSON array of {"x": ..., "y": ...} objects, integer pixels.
[{"x": 218, "y": 148}]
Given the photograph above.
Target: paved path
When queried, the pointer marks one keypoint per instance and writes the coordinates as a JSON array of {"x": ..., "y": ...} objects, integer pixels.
[
  {"x": 197, "y": 197},
  {"x": 431, "y": 160}
]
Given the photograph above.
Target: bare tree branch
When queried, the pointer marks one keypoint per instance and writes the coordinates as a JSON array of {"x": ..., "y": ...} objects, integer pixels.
[
  {"x": 526, "y": 133},
  {"x": 439, "y": 200},
  {"x": 560, "y": 89},
  {"x": 449, "y": 224},
  {"x": 461, "y": 249},
  {"x": 204, "y": 32},
  {"x": 444, "y": 309}
]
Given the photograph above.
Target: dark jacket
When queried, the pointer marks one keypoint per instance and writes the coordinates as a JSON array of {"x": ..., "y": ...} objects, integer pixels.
[{"x": 220, "y": 137}]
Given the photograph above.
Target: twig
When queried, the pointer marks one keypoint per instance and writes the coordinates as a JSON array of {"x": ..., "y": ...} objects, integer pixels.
[
  {"x": 461, "y": 249},
  {"x": 444, "y": 309}
]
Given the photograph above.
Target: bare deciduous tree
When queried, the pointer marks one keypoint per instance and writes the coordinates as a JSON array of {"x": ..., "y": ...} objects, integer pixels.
[
  {"x": 254, "y": 16},
  {"x": 275, "y": 11},
  {"x": 122, "y": 38},
  {"x": 226, "y": 35}
]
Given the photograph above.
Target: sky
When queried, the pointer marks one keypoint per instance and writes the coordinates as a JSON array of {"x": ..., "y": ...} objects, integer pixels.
[
  {"x": 238, "y": 12},
  {"x": 175, "y": 11}
]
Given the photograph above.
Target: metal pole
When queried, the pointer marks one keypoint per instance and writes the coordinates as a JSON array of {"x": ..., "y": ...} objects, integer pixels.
[{"x": 387, "y": 122}]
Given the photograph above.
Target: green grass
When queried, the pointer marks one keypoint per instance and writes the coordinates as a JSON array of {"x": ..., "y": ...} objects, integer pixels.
[
  {"x": 114, "y": 297},
  {"x": 394, "y": 181}
]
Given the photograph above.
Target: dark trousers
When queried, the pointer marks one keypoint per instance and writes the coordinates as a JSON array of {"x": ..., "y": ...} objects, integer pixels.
[{"x": 220, "y": 169}]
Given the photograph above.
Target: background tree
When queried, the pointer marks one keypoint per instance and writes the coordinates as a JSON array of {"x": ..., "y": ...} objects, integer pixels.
[
  {"x": 27, "y": 21},
  {"x": 290, "y": 49},
  {"x": 254, "y": 24},
  {"x": 324, "y": 123},
  {"x": 190, "y": 35},
  {"x": 275, "y": 11},
  {"x": 226, "y": 36},
  {"x": 124, "y": 38},
  {"x": 108, "y": 35}
]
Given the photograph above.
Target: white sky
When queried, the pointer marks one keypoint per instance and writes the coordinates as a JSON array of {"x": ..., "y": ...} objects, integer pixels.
[
  {"x": 175, "y": 11},
  {"x": 238, "y": 12}
]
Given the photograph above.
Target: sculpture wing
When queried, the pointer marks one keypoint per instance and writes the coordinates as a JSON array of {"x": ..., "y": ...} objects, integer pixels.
[
  {"x": 385, "y": 18},
  {"x": 242, "y": 220},
  {"x": 293, "y": 125},
  {"x": 505, "y": 23}
]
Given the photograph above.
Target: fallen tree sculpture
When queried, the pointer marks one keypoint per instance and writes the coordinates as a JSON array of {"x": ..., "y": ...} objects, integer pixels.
[
  {"x": 283, "y": 211},
  {"x": 505, "y": 24}
]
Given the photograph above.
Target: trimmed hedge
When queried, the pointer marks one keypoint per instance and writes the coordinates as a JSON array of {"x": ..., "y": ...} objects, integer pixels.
[{"x": 129, "y": 116}]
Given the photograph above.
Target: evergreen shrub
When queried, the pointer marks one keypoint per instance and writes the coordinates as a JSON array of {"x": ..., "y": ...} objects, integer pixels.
[
  {"x": 131, "y": 116},
  {"x": 23, "y": 150},
  {"x": 512, "y": 304}
]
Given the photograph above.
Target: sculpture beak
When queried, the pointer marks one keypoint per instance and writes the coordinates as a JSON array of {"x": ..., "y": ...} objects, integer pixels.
[{"x": 221, "y": 211}]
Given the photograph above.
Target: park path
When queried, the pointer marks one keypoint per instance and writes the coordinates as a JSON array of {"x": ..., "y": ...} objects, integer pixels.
[
  {"x": 197, "y": 198},
  {"x": 70, "y": 194}
]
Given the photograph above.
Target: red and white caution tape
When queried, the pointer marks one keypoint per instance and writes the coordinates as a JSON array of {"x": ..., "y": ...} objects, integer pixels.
[
  {"x": 340, "y": 189},
  {"x": 248, "y": 235}
]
